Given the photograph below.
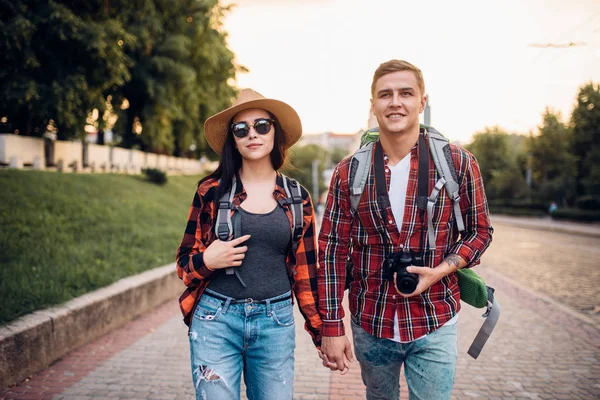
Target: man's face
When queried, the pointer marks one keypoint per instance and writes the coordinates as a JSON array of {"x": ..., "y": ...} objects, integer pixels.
[{"x": 397, "y": 102}]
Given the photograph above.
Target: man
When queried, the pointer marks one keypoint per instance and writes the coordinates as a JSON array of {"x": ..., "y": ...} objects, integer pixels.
[{"x": 391, "y": 328}]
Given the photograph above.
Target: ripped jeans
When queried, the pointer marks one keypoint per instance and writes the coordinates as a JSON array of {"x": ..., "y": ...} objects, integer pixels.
[{"x": 256, "y": 338}]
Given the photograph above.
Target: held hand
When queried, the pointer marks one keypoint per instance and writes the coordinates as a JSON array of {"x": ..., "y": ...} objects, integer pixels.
[
  {"x": 219, "y": 255},
  {"x": 336, "y": 353}
]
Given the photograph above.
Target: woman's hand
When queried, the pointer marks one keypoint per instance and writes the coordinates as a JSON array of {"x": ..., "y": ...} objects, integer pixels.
[{"x": 219, "y": 254}]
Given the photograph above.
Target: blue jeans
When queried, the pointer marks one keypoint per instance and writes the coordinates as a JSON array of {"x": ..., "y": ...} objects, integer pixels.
[
  {"x": 258, "y": 338},
  {"x": 429, "y": 364}
]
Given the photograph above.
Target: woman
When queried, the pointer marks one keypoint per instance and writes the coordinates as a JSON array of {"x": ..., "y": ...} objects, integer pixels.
[{"x": 244, "y": 321}]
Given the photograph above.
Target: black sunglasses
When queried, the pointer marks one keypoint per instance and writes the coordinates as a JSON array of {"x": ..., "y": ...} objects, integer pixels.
[{"x": 261, "y": 126}]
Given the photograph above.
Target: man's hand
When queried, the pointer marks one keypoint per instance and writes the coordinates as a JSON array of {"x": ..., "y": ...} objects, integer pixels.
[
  {"x": 429, "y": 276},
  {"x": 336, "y": 353}
]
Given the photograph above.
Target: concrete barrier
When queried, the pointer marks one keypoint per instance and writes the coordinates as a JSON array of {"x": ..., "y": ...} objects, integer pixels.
[
  {"x": 35, "y": 341},
  {"x": 137, "y": 160},
  {"x": 163, "y": 162},
  {"x": 68, "y": 155},
  {"x": 98, "y": 157},
  {"x": 151, "y": 160},
  {"x": 119, "y": 159},
  {"x": 26, "y": 150},
  {"x": 17, "y": 151}
]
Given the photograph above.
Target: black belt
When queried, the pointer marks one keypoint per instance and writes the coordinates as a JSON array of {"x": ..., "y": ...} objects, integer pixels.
[{"x": 247, "y": 300}]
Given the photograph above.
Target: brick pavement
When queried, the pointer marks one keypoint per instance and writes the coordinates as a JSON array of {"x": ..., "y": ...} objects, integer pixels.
[
  {"x": 539, "y": 350},
  {"x": 534, "y": 353}
]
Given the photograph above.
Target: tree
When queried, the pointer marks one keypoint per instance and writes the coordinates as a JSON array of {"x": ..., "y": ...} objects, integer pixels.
[
  {"x": 499, "y": 157},
  {"x": 300, "y": 166},
  {"x": 159, "y": 67},
  {"x": 553, "y": 166},
  {"x": 58, "y": 57},
  {"x": 585, "y": 143},
  {"x": 182, "y": 73}
]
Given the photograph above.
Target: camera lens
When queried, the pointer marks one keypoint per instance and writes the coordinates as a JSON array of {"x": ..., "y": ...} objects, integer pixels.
[{"x": 406, "y": 283}]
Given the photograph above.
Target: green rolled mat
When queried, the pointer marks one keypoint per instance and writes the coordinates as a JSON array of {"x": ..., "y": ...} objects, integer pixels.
[{"x": 473, "y": 290}]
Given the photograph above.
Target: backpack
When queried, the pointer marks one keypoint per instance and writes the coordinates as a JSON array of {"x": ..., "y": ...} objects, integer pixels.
[
  {"x": 472, "y": 287},
  {"x": 227, "y": 228}
]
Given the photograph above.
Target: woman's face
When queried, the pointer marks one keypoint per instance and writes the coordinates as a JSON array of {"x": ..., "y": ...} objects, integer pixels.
[{"x": 254, "y": 145}]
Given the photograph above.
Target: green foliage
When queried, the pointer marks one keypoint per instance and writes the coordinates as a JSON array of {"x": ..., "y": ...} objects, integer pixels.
[
  {"x": 574, "y": 214},
  {"x": 300, "y": 167},
  {"x": 588, "y": 202},
  {"x": 337, "y": 155},
  {"x": 155, "y": 175},
  {"x": 500, "y": 158},
  {"x": 585, "y": 122},
  {"x": 553, "y": 165},
  {"x": 66, "y": 234},
  {"x": 168, "y": 59},
  {"x": 58, "y": 58},
  {"x": 181, "y": 75}
]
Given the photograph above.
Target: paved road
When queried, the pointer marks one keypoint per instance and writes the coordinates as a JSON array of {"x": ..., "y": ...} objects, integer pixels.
[
  {"x": 546, "y": 345},
  {"x": 562, "y": 266}
]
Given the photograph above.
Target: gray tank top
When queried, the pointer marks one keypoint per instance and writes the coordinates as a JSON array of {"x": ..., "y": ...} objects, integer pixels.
[{"x": 263, "y": 269}]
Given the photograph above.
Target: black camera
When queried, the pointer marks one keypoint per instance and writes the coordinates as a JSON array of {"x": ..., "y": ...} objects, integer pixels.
[{"x": 406, "y": 282}]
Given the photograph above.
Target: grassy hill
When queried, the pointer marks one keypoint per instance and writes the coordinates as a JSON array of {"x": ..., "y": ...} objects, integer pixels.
[{"x": 63, "y": 235}]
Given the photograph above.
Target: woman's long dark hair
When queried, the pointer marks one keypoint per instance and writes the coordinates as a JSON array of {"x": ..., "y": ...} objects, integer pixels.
[{"x": 230, "y": 161}]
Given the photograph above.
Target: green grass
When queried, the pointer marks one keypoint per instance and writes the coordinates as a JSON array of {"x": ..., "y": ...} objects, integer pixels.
[{"x": 64, "y": 235}]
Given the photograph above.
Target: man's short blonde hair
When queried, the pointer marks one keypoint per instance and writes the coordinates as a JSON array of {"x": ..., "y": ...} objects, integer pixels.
[{"x": 391, "y": 66}]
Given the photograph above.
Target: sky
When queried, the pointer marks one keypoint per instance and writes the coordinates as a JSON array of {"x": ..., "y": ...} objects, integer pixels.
[{"x": 481, "y": 59}]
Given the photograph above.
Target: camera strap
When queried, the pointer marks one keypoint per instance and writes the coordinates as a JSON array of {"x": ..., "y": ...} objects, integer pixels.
[
  {"x": 422, "y": 186},
  {"x": 383, "y": 199}
]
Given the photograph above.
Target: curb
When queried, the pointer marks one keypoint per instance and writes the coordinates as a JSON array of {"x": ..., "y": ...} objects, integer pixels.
[
  {"x": 548, "y": 225},
  {"x": 34, "y": 341}
]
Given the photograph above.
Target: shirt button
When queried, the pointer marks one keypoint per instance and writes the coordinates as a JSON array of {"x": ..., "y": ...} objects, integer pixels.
[
  {"x": 390, "y": 222},
  {"x": 394, "y": 297},
  {"x": 387, "y": 169}
]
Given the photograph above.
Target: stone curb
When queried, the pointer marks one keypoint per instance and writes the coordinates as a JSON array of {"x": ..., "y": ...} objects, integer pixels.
[
  {"x": 34, "y": 341},
  {"x": 547, "y": 225}
]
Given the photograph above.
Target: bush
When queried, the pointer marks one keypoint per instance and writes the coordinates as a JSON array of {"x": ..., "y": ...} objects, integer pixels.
[
  {"x": 155, "y": 175},
  {"x": 518, "y": 204},
  {"x": 525, "y": 212},
  {"x": 588, "y": 202},
  {"x": 576, "y": 215}
]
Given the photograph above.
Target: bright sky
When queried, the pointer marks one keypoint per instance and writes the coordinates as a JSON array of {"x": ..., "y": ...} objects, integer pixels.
[{"x": 477, "y": 58}]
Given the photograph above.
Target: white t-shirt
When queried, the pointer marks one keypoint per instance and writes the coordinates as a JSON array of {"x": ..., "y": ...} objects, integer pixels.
[{"x": 398, "y": 184}]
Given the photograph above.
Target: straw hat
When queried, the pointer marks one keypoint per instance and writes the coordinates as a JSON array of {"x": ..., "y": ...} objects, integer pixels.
[{"x": 216, "y": 127}]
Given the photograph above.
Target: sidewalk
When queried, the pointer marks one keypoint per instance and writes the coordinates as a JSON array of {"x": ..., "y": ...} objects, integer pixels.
[
  {"x": 539, "y": 350},
  {"x": 534, "y": 353}
]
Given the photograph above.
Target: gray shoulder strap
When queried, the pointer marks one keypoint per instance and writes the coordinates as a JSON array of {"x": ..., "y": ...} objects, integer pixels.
[
  {"x": 223, "y": 227},
  {"x": 491, "y": 318},
  {"x": 359, "y": 173},
  {"x": 294, "y": 195},
  {"x": 437, "y": 144}
]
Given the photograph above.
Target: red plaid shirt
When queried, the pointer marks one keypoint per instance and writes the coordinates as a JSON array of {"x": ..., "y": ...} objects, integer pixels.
[
  {"x": 373, "y": 299},
  {"x": 199, "y": 234}
]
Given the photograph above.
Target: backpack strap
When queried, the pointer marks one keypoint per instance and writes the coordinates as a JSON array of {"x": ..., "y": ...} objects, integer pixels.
[
  {"x": 294, "y": 198},
  {"x": 491, "y": 318},
  {"x": 359, "y": 173},
  {"x": 442, "y": 158},
  {"x": 224, "y": 228}
]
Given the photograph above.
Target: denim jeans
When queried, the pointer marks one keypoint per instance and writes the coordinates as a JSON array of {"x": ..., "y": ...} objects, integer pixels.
[
  {"x": 258, "y": 338},
  {"x": 429, "y": 364}
]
